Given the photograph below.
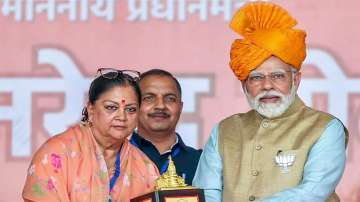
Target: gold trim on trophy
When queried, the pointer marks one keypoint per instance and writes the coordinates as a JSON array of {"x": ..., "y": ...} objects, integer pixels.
[
  {"x": 170, "y": 187},
  {"x": 170, "y": 180}
]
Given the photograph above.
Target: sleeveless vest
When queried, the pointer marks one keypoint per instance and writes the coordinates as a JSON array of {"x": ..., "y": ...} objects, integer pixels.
[{"x": 249, "y": 143}]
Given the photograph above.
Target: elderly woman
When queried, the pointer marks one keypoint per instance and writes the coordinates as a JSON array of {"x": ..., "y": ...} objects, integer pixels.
[{"x": 94, "y": 161}]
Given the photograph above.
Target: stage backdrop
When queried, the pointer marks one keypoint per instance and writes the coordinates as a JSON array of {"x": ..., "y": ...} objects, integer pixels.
[{"x": 51, "y": 49}]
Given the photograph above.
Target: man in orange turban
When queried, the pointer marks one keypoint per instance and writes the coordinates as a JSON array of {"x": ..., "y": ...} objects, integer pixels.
[
  {"x": 281, "y": 150},
  {"x": 268, "y": 31}
]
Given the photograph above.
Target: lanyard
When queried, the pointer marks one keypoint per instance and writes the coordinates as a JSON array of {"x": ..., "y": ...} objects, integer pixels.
[
  {"x": 132, "y": 141},
  {"x": 174, "y": 152},
  {"x": 117, "y": 172}
]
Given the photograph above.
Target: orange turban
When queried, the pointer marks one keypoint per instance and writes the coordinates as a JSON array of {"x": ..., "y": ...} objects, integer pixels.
[{"x": 267, "y": 30}]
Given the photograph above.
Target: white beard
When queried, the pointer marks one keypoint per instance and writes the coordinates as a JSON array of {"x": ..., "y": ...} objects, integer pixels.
[{"x": 271, "y": 110}]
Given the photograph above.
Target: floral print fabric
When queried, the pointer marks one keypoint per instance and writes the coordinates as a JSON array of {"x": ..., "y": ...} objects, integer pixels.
[{"x": 70, "y": 167}]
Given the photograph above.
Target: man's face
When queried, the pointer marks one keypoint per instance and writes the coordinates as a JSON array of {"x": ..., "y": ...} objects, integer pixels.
[
  {"x": 161, "y": 105},
  {"x": 271, "y": 88}
]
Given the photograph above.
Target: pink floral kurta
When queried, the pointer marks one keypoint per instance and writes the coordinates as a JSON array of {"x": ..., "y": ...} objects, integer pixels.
[{"x": 70, "y": 167}]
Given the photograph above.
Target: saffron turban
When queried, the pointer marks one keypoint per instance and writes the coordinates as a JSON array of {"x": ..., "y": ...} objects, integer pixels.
[{"x": 267, "y": 30}]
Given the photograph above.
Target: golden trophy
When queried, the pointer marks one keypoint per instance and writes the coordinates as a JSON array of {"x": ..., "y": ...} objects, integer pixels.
[{"x": 170, "y": 187}]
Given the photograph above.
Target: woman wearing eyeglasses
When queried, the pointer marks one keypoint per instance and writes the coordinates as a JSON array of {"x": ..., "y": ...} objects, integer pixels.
[{"x": 94, "y": 161}]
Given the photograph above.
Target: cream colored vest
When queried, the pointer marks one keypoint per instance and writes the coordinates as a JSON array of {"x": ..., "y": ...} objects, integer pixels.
[{"x": 248, "y": 144}]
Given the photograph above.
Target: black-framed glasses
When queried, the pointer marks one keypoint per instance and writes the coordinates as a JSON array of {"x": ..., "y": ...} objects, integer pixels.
[{"x": 112, "y": 73}]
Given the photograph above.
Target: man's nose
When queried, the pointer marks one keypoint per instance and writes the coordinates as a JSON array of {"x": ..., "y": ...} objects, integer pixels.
[
  {"x": 160, "y": 104},
  {"x": 267, "y": 83}
]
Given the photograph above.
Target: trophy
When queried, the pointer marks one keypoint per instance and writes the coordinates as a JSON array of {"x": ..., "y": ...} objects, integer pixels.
[{"x": 170, "y": 187}]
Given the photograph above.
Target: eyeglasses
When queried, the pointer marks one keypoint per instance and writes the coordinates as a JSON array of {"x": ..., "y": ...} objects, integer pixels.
[
  {"x": 277, "y": 77},
  {"x": 111, "y": 73}
]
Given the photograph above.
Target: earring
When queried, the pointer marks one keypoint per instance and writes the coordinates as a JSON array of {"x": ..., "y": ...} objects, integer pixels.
[
  {"x": 89, "y": 123},
  {"x": 86, "y": 122}
]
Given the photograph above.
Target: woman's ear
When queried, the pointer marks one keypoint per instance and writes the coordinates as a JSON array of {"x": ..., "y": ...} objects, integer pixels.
[{"x": 90, "y": 110}]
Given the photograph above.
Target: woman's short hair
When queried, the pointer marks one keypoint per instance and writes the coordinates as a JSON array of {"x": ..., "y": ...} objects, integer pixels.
[{"x": 104, "y": 83}]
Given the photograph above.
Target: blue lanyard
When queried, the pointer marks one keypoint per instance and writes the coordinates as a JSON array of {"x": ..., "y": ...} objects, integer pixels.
[
  {"x": 132, "y": 141},
  {"x": 173, "y": 154},
  {"x": 166, "y": 164},
  {"x": 117, "y": 172}
]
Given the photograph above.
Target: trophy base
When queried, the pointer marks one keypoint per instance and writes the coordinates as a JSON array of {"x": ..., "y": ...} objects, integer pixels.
[{"x": 178, "y": 195}]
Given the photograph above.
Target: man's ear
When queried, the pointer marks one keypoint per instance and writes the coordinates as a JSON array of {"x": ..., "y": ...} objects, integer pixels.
[
  {"x": 181, "y": 106},
  {"x": 297, "y": 79},
  {"x": 243, "y": 85}
]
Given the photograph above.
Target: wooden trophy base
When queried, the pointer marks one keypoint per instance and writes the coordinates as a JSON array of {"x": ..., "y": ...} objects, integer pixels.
[{"x": 178, "y": 195}]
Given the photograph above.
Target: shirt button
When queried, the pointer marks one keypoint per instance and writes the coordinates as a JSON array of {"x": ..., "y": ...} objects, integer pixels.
[
  {"x": 265, "y": 123},
  {"x": 255, "y": 173},
  {"x": 251, "y": 198},
  {"x": 258, "y": 147}
]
